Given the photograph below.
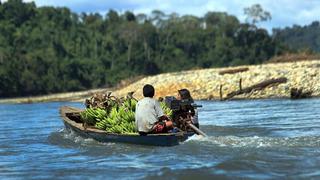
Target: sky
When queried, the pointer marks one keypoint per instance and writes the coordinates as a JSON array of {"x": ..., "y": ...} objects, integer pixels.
[{"x": 284, "y": 12}]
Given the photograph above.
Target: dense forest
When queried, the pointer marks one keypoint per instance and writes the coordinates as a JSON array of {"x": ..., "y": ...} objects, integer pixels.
[
  {"x": 300, "y": 37},
  {"x": 46, "y": 49}
]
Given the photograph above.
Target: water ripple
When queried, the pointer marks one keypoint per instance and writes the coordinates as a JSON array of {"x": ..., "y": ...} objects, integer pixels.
[{"x": 261, "y": 139}]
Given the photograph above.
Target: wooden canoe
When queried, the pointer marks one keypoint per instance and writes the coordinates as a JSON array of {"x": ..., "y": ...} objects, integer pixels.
[{"x": 71, "y": 119}]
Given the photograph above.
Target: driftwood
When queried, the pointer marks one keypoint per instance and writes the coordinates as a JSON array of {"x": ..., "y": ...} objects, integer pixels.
[
  {"x": 296, "y": 93},
  {"x": 258, "y": 86},
  {"x": 221, "y": 95},
  {"x": 233, "y": 71}
]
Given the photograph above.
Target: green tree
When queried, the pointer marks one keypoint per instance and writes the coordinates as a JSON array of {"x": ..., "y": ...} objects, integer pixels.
[
  {"x": 52, "y": 49},
  {"x": 256, "y": 14}
]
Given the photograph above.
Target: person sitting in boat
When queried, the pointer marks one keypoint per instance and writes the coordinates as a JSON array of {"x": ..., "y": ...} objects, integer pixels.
[
  {"x": 184, "y": 94},
  {"x": 149, "y": 116}
]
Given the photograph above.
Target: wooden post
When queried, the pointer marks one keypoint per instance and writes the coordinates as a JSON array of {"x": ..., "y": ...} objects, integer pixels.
[
  {"x": 221, "y": 92},
  {"x": 240, "y": 84}
]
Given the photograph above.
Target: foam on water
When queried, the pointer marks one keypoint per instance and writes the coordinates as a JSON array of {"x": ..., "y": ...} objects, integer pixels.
[
  {"x": 73, "y": 136},
  {"x": 257, "y": 141}
]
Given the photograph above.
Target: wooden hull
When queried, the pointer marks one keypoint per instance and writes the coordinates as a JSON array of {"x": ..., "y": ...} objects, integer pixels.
[{"x": 168, "y": 139}]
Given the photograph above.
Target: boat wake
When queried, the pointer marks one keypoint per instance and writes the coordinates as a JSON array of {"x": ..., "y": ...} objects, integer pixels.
[
  {"x": 69, "y": 138},
  {"x": 257, "y": 141},
  {"x": 66, "y": 137}
]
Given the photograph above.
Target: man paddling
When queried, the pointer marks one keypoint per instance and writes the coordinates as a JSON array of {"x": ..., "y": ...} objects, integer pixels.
[{"x": 149, "y": 116}]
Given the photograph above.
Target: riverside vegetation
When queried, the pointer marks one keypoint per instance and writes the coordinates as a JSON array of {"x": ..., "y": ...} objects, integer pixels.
[{"x": 46, "y": 50}]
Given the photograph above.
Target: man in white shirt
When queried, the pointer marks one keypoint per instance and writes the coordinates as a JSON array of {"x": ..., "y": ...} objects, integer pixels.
[{"x": 149, "y": 116}]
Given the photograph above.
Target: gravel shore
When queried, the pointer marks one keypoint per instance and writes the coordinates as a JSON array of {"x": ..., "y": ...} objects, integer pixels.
[{"x": 205, "y": 83}]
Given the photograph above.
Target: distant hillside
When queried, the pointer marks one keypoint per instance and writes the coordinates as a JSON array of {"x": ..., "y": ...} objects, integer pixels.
[{"x": 300, "y": 37}]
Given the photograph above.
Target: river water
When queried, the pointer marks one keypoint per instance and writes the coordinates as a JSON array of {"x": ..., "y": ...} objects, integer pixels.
[{"x": 257, "y": 139}]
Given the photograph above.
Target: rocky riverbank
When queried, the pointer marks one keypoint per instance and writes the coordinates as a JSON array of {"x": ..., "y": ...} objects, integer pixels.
[{"x": 205, "y": 83}]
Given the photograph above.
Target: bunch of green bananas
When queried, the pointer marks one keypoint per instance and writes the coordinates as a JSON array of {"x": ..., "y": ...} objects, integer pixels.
[
  {"x": 130, "y": 104},
  {"x": 107, "y": 122},
  {"x": 166, "y": 110},
  {"x": 120, "y": 119},
  {"x": 92, "y": 115}
]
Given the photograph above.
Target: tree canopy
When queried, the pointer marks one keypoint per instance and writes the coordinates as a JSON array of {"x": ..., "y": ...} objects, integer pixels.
[
  {"x": 46, "y": 49},
  {"x": 300, "y": 37},
  {"x": 256, "y": 14}
]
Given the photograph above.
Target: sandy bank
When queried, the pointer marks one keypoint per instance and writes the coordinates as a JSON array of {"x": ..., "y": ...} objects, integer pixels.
[{"x": 70, "y": 96}]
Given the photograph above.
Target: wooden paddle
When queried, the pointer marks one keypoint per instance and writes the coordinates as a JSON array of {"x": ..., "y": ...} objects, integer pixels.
[
  {"x": 189, "y": 124},
  {"x": 197, "y": 130}
]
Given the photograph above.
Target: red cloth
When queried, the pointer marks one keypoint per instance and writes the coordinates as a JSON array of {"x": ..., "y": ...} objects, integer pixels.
[{"x": 160, "y": 127}]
